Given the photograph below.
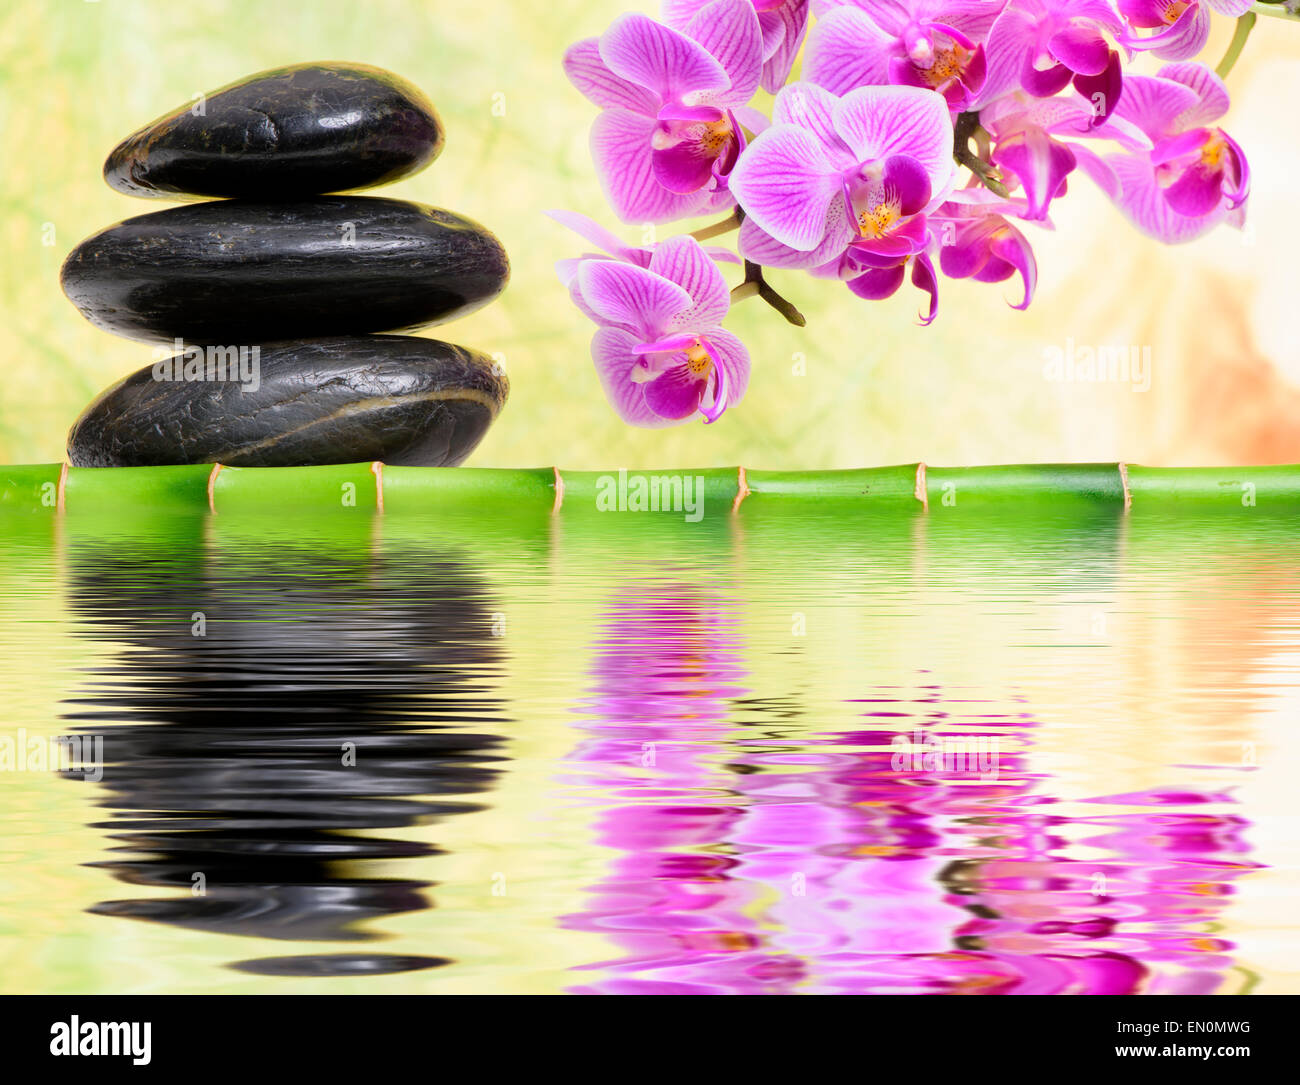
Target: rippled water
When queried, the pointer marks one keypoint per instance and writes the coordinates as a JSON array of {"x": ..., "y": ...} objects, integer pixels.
[{"x": 791, "y": 752}]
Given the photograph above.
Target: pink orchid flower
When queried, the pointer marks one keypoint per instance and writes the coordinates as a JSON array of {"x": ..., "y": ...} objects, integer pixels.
[
  {"x": 842, "y": 186},
  {"x": 668, "y": 135},
  {"x": 978, "y": 242},
  {"x": 936, "y": 44},
  {"x": 660, "y": 351},
  {"x": 1182, "y": 26},
  {"x": 1029, "y": 152},
  {"x": 614, "y": 248},
  {"x": 782, "y": 23},
  {"x": 1195, "y": 175},
  {"x": 1044, "y": 45}
]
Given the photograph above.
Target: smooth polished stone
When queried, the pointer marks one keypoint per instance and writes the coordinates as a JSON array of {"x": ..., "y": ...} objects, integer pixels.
[
  {"x": 288, "y": 132},
  {"x": 242, "y": 272},
  {"x": 400, "y": 399}
]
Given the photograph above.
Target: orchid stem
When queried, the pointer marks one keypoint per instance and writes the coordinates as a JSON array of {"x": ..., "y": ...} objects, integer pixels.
[
  {"x": 1245, "y": 25},
  {"x": 756, "y": 286},
  {"x": 966, "y": 129},
  {"x": 1276, "y": 11},
  {"x": 731, "y": 222}
]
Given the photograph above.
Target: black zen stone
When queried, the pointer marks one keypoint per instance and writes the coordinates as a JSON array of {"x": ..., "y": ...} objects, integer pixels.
[
  {"x": 400, "y": 399},
  {"x": 289, "y": 132},
  {"x": 242, "y": 272}
]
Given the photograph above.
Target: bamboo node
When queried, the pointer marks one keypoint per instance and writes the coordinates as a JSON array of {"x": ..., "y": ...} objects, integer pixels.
[
  {"x": 742, "y": 489},
  {"x": 212, "y": 488},
  {"x": 559, "y": 491},
  {"x": 920, "y": 492},
  {"x": 63, "y": 484},
  {"x": 1123, "y": 479},
  {"x": 377, "y": 469}
]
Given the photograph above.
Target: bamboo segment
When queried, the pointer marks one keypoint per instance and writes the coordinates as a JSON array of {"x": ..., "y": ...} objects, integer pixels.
[
  {"x": 38, "y": 489},
  {"x": 1226, "y": 487},
  {"x": 430, "y": 489},
  {"x": 953, "y": 487},
  {"x": 94, "y": 488},
  {"x": 349, "y": 487},
  {"x": 30, "y": 487},
  {"x": 895, "y": 485}
]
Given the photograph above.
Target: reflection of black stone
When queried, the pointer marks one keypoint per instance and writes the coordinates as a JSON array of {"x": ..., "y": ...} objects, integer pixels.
[{"x": 225, "y": 754}]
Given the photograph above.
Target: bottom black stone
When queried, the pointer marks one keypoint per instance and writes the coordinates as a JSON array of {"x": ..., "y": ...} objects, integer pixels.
[{"x": 347, "y": 399}]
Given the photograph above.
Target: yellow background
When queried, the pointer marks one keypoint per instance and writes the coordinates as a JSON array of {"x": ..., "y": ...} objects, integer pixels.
[{"x": 1218, "y": 315}]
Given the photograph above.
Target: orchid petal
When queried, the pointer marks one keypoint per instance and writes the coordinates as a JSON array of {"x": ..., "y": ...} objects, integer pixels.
[
  {"x": 784, "y": 182},
  {"x": 730, "y": 357},
  {"x": 621, "y": 147},
  {"x": 615, "y": 359},
  {"x": 878, "y": 122},
  {"x": 846, "y": 49},
  {"x": 683, "y": 260},
  {"x": 592, "y": 77},
  {"x": 1143, "y": 202},
  {"x": 878, "y": 283},
  {"x": 631, "y": 296},
  {"x": 1103, "y": 90},
  {"x": 729, "y": 30},
  {"x": 760, "y": 247},
  {"x": 1080, "y": 48},
  {"x": 1155, "y": 105},
  {"x": 669, "y": 63},
  {"x": 923, "y": 276},
  {"x": 675, "y": 394},
  {"x": 806, "y": 105},
  {"x": 1212, "y": 99}
]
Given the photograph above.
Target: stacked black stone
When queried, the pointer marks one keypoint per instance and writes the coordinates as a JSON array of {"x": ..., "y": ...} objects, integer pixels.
[{"x": 271, "y": 296}]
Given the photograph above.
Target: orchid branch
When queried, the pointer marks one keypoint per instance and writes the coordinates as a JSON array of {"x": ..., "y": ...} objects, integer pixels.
[
  {"x": 731, "y": 222},
  {"x": 1277, "y": 10},
  {"x": 756, "y": 286},
  {"x": 1245, "y": 25},
  {"x": 967, "y": 128}
]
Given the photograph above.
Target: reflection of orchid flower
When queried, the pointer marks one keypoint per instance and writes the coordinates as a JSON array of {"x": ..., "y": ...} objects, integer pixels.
[{"x": 824, "y": 868}]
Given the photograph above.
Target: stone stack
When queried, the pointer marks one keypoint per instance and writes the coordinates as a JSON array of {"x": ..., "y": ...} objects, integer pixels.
[{"x": 271, "y": 296}]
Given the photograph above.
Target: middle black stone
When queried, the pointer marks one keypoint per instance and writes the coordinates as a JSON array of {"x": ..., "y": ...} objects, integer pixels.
[{"x": 240, "y": 271}]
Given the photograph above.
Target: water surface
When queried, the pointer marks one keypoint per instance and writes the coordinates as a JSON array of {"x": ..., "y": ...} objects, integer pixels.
[{"x": 800, "y": 751}]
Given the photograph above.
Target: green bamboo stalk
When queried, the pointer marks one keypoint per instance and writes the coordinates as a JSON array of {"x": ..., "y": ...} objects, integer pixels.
[{"x": 352, "y": 489}]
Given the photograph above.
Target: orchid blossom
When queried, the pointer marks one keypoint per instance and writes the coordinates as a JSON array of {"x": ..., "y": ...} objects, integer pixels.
[
  {"x": 936, "y": 44},
  {"x": 781, "y": 22},
  {"x": 1043, "y": 46},
  {"x": 1182, "y": 26},
  {"x": 660, "y": 350},
  {"x": 668, "y": 136},
  {"x": 855, "y": 177},
  {"x": 843, "y": 185},
  {"x": 1195, "y": 175}
]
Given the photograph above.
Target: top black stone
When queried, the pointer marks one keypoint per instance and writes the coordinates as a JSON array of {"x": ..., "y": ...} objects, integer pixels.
[{"x": 289, "y": 132}]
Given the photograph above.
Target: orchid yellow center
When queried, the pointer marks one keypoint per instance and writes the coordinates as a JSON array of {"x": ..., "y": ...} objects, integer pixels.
[
  {"x": 715, "y": 136},
  {"x": 699, "y": 362},
  {"x": 1174, "y": 9},
  {"x": 948, "y": 65},
  {"x": 879, "y": 220},
  {"x": 1212, "y": 151}
]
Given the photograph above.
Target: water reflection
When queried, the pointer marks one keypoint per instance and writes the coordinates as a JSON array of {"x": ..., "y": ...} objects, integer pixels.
[
  {"x": 269, "y": 719},
  {"x": 759, "y": 851}
]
